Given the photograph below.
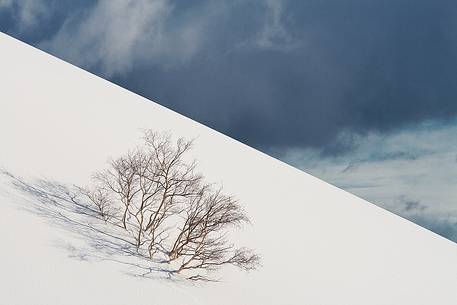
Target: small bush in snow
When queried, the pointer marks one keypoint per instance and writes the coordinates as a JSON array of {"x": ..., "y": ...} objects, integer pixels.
[{"x": 155, "y": 193}]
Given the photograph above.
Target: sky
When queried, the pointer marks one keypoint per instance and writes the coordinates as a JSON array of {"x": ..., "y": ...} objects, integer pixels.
[{"x": 362, "y": 94}]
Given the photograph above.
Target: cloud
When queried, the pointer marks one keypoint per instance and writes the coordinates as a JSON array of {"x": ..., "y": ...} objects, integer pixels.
[
  {"x": 5, "y": 3},
  {"x": 110, "y": 35},
  {"x": 274, "y": 34},
  {"x": 444, "y": 225},
  {"x": 31, "y": 11},
  {"x": 27, "y": 12},
  {"x": 413, "y": 205},
  {"x": 115, "y": 36},
  {"x": 412, "y": 173}
]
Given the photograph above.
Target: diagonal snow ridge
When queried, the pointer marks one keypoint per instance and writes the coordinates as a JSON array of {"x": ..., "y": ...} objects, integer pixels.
[{"x": 319, "y": 244}]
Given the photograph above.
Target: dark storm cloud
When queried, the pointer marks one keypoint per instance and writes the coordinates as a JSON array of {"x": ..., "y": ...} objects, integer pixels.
[
  {"x": 361, "y": 67},
  {"x": 279, "y": 73}
]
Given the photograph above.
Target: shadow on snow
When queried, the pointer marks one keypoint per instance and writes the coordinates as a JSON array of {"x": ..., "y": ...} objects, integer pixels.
[{"x": 62, "y": 206}]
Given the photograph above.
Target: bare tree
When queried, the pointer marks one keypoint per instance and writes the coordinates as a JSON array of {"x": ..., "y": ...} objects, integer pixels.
[
  {"x": 176, "y": 178},
  {"x": 168, "y": 209},
  {"x": 202, "y": 242},
  {"x": 101, "y": 200},
  {"x": 121, "y": 180}
]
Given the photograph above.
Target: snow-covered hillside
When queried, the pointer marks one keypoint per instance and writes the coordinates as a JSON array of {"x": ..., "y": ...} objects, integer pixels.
[{"x": 319, "y": 244}]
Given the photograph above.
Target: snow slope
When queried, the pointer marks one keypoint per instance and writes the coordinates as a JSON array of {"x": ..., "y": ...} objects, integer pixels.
[{"x": 320, "y": 245}]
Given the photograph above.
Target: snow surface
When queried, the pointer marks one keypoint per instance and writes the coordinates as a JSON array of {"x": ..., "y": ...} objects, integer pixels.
[{"x": 319, "y": 244}]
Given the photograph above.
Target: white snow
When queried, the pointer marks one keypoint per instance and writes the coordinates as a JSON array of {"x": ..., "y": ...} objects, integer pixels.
[{"x": 319, "y": 244}]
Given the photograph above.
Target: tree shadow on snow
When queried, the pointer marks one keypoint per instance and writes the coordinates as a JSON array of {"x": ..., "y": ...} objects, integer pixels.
[{"x": 63, "y": 207}]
